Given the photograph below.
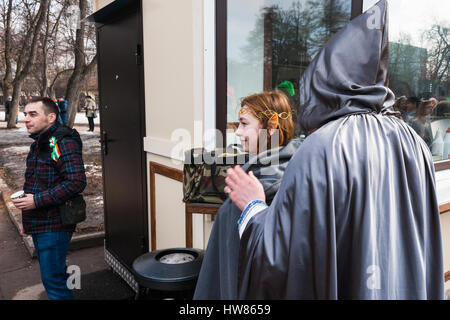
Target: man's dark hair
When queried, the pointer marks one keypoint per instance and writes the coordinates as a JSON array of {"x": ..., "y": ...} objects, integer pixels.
[{"x": 49, "y": 105}]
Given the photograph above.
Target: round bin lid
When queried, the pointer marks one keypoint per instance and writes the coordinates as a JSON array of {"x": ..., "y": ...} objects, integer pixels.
[
  {"x": 176, "y": 258},
  {"x": 169, "y": 269}
]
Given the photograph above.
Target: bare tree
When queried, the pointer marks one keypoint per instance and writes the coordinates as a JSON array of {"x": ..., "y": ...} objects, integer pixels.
[
  {"x": 43, "y": 50},
  {"x": 44, "y": 44},
  {"x": 48, "y": 69},
  {"x": 438, "y": 55},
  {"x": 7, "y": 79},
  {"x": 330, "y": 16},
  {"x": 82, "y": 67},
  {"x": 28, "y": 54}
]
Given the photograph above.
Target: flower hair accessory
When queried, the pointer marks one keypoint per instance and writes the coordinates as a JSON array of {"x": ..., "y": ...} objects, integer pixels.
[
  {"x": 273, "y": 120},
  {"x": 268, "y": 114}
]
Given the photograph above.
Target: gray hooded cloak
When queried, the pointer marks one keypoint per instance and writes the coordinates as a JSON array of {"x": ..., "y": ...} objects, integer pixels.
[
  {"x": 356, "y": 214},
  {"x": 218, "y": 274}
]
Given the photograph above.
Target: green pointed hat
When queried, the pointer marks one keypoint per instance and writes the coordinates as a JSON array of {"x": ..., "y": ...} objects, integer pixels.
[{"x": 287, "y": 87}]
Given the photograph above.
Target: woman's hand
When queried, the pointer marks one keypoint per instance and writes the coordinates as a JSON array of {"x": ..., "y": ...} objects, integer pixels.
[{"x": 243, "y": 188}]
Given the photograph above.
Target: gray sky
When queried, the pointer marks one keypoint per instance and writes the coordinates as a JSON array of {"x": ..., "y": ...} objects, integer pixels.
[{"x": 412, "y": 17}]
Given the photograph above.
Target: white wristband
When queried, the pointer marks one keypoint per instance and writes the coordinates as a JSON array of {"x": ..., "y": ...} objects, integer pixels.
[{"x": 252, "y": 208}]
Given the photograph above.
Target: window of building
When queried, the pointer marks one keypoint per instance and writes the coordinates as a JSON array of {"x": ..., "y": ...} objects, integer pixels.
[
  {"x": 419, "y": 43},
  {"x": 267, "y": 44}
]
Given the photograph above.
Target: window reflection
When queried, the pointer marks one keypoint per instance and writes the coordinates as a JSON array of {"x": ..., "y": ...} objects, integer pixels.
[
  {"x": 271, "y": 42},
  {"x": 419, "y": 69}
]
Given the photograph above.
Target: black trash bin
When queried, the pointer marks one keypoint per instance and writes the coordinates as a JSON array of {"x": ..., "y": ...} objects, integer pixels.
[{"x": 168, "y": 273}]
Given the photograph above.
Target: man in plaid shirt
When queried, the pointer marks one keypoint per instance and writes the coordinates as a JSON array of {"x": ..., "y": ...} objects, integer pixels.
[{"x": 54, "y": 174}]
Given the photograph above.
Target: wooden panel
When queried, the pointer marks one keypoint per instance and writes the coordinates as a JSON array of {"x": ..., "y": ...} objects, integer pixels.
[
  {"x": 200, "y": 208},
  {"x": 443, "y": 208},
  {"x": 172, "y": 173},
  {"x": 444, "y": 165}
]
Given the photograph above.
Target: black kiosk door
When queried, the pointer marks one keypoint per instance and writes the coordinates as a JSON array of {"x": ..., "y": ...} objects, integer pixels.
[{"x": 122, "y": 116}]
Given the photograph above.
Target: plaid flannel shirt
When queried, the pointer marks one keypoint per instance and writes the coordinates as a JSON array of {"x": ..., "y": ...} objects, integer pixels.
[{"x": 52, "y": 182}]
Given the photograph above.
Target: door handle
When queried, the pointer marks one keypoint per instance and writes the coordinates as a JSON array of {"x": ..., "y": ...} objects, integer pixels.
[{"x": 104, "y": 142}]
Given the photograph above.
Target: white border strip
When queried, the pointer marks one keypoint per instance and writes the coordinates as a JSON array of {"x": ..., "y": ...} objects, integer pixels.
[
  {"x": 162, "y": 147},
  {"x": 209, "y": 72},
  {"x": 443, "y": 186},
  {"x": 197, "y": 58}
]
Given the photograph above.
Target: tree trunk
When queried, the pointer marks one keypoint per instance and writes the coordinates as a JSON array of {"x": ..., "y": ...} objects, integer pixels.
[
  {"x": 81, "y": 70},
  {"x": 51, "y": 92},
  {"x": 74, "y": 83},
  {"x": 51, "y": 88},
  {"x": 7, "y": 79},
  {"x": 44, "y": 81},
  {"x": 72, "y": 97},
  {"x": 22, "y": 73},
  {"x": 74, "y": 87},
  {"x": 45, "y": 92},
  {"x": 7, "y": 90},
  {"x": 14, "y": 109}
]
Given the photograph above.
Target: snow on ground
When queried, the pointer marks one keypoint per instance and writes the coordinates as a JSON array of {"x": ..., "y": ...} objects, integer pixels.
[{"x": 14, "y": 147}]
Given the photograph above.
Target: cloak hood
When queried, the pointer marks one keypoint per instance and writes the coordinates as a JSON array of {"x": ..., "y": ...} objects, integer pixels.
[{"x": 350, "y": 74}]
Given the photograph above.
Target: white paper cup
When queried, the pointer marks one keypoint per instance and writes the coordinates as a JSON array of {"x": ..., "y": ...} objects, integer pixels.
[{"x": 18, "y": 195}]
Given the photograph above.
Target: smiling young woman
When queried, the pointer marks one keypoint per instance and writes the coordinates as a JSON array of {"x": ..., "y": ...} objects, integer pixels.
[{"x": 261, "y": 116}]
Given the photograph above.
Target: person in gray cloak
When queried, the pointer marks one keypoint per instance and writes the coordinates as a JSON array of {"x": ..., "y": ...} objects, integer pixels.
[
  {"x": 356, "y": 214},
  {"x": 218, "y": 275}
]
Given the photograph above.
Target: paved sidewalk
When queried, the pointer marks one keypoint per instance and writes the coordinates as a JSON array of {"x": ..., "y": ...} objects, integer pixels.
[{"x": 20, "y": 275}]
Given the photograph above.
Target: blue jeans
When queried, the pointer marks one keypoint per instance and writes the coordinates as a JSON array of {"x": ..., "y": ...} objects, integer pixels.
[{"x": 51, "y": 249}]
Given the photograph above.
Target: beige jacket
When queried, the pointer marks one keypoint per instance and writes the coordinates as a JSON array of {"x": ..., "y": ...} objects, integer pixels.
[{"x": 90, "y": 108}]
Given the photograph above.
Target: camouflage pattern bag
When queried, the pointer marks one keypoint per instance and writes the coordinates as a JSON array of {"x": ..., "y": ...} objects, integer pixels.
[{"x": 205, "y": 172}]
